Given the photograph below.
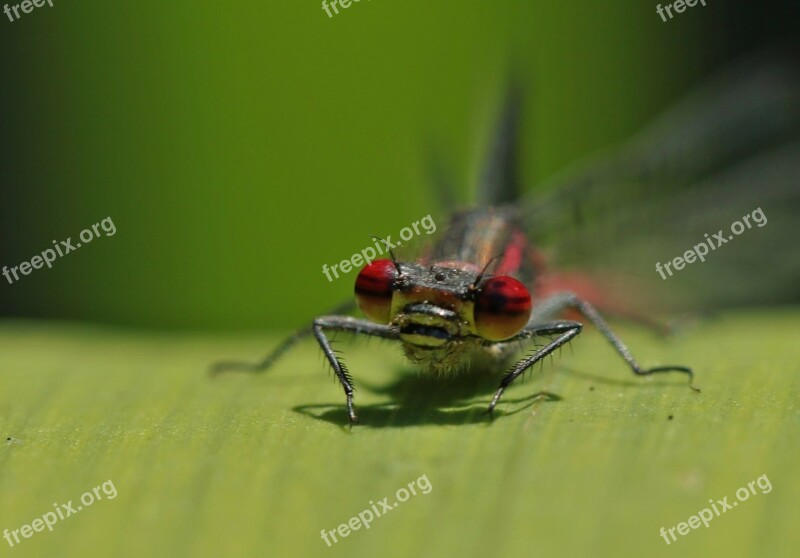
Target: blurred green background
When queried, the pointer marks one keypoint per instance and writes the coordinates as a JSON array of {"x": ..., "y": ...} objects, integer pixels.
[{"x": 238, "y": 147}]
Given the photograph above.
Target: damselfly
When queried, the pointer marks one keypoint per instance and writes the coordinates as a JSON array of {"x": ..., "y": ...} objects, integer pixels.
[{"x": 483, "y": 289}]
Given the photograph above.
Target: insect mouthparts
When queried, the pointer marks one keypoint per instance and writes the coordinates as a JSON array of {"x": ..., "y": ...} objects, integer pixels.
[{"x": 427, "y": 331}]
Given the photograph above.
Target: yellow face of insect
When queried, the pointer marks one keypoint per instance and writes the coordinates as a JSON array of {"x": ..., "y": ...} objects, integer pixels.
[{"x": 431, "y": 317}]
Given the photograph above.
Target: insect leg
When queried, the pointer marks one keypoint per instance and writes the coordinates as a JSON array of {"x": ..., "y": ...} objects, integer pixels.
[
  {"x": 277, "y": 352},
  {"x": 269, "y": 360},
  {"x": 352, "y": 325},
  {"x": 561, "y": 301},
  {"x": 565, "y": 330}
]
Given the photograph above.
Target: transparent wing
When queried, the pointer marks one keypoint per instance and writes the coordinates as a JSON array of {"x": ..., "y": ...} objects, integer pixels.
[{"x": 727, "y": 150}]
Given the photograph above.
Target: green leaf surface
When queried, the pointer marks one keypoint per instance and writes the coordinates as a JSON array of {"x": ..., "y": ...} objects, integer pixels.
[{"x": 583, "y": 459}]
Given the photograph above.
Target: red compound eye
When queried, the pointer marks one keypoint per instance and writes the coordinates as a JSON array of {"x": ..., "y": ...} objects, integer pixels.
[
  {"x": 374, "y": 290},
  {"x": 502, "y": 308}
]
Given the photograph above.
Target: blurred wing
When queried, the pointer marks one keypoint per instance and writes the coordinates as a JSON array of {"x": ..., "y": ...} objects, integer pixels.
[
  {"x": 728, "y": 150},
  {"x": 499, "y": 179}
]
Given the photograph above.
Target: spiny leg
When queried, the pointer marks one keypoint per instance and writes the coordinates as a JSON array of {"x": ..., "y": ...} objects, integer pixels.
[
  {"x": 561, "y": 301},
  {"x": 565, "y": 330},
  {"x": 351, "y": 325},
  {"x": 318, "y": 328}
]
